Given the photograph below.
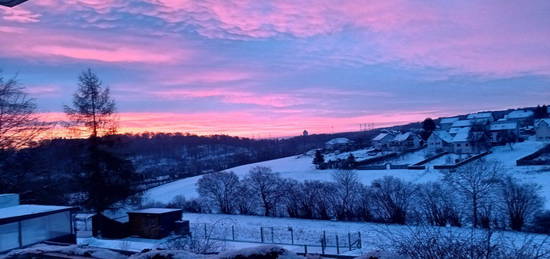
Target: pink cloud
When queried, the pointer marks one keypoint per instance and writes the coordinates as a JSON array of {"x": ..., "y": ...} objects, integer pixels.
[{"x": 19, "y": 15}]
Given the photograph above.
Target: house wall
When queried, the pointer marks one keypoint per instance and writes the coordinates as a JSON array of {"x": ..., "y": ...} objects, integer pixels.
[
  {"x": 9, "y": 200},
  {"x": 543, "y": 133}
]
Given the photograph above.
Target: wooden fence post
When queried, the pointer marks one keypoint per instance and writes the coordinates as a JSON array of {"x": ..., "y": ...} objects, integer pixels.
[
  {"x": 233, "y": 232},
  {"x": 262, "y": 233},
  {"x": 272, "y": 235},
  {"x": 205, "y": 235},
  {"x": 337, "y": 245},
  {"x": 349, "y": 240},
  {"x": 360, "y": 242}
]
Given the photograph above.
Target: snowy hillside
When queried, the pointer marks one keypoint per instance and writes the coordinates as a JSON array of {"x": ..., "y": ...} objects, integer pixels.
[{"x": 301, "y": 168}]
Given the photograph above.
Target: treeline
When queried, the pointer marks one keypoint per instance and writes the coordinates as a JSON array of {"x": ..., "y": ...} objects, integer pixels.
[{"x": 477, "y": 195}]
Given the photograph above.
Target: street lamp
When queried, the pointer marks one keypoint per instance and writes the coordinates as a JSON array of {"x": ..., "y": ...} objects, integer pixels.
[{"x": 11, "y": 3}]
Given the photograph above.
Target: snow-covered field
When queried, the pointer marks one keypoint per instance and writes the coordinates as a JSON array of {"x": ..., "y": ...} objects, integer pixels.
[{"x": 301, "y": 168}]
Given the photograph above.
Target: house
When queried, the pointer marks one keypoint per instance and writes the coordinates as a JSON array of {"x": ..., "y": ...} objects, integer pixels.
[
  {"x": 382, "y": 140},
  {"x": 406, "y": 142},
  {"x": 337, "y": 143},
  {"x": 542, "y": 129},
  {"x": 439, "y": 141},
  {"x": 504, "y": 132},
  {"x": 469, "y": 141},
  {"x": 446, "y": 123},
  {"x": 522, "y": 117},
  {"x": 22, "y": 225},
  {"x": 483, "y": 116}
]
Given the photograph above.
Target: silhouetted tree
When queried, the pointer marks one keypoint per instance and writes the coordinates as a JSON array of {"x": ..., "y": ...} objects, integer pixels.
[
  {"x": 428, "y": 126},
  {"x": 19, "y": 124},
  {"x": 541, "y": 112},
  {"x": 104, "y": 176},
  {"x": 319, "y": 159}
]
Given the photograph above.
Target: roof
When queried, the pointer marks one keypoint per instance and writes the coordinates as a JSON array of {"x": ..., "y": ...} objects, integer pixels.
[
  {"x": 443, "y": 135},
  {"x": 27, "y": 211},
  {"x": 402, "y": 137},
  {"x": 462, "y": 135},
  {"x": 453, "y": 131},
  {"x": 338, "y": 141},
  {"x": 503, "y": 126},
  {"x": 519, "y": 114},
  {"x": 154, "y": 211},
  {"x": 449, "y": 120},
  {"x": 462, "y": 123},
  {"x": 480, "y": 115},
  {"x": 380, "y": 136}
]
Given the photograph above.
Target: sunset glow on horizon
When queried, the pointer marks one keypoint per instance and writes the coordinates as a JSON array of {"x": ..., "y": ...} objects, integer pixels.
[{"x": 275, "y": 68}]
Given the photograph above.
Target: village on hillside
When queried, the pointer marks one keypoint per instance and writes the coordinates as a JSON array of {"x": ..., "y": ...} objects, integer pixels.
[{"x": 453, "y": 141}]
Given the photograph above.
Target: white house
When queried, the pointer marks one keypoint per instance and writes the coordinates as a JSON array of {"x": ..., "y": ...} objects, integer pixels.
[
  {"x": 24, "y": 225},
  {"x": 503, "y": 132},
  {"x": 439, "y": 141},
  {"x": 542, "y": 129},
  {"x": 405, "y": 142},
  {"x": 484, "y": 116},
  {"x": 462, "y": 124},
  {"x": 382, "y": 140},
  {"x": 522, "y": 117},
  {"x": 446, "y": 123}
]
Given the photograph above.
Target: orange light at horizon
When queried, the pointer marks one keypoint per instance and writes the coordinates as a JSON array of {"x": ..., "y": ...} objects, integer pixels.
[{"x": 242, "y": 124}]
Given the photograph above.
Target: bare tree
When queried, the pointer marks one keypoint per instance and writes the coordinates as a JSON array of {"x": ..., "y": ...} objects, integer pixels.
[
  {"x": 348, "y": 193},
  {"x": 521, "y": 201},
  {"x": 19, "y": 124},
  {"x": 475, "y": 181},
  {"x": 92, "y": 107},
  {"x": 221, "y": 188},
  {"x": 392, "y": 197},
  {"x": 267, "y": 187},
  {"x": 437, "y": 204}
]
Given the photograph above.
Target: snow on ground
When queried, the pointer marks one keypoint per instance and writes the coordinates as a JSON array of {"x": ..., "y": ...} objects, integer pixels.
[
  {"x": 296, "y": 167},
  {"x": 301, "y": 168},
  {"x": 308, "y": 232}
]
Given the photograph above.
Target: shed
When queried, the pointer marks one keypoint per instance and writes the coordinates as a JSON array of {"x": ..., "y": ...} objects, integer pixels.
[
  {"x": 28, "y": 224},
  {"x": 154, "y": 223}
]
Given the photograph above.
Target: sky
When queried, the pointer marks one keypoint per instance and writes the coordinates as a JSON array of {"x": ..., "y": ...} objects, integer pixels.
[{"x": 275, "y": 68}]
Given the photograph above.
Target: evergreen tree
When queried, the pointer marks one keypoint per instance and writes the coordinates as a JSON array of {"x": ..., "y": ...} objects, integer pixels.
[
  {"x": 319, "y": 159},
  {"x": 104, "y": 176},
  {"x": 428, "y": 126},
  {"x": 541, "y": 112}
]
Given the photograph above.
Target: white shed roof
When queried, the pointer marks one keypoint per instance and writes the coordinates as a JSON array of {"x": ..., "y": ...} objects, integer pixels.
[
  {"x": 402, "y": 137},
  {"x": 28, "y": 210},
  {"x": 462, "y": 123},
  {"x": 380, "y": 136},
  {"x": 335, "y": 141}
]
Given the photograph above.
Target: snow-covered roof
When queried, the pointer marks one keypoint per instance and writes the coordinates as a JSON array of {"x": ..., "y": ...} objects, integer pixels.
[
  {"x": 336, "y": 141},
  {"x": 380, "y": 136},
  {"x": 443, "y": 135},
  {"x": 519, "y": 114},
  {"x": 503, "y": 126},
  {"x": 462, "y": 135},
  {"x": 449, "y": 120},
  {"x": 28, "y": 210},
  {"x": 462, "y": 123},
  {"x": 154, "y": 211},
  {"x": 402, "y": 137},
  {"x": 480, "y": 115}
]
